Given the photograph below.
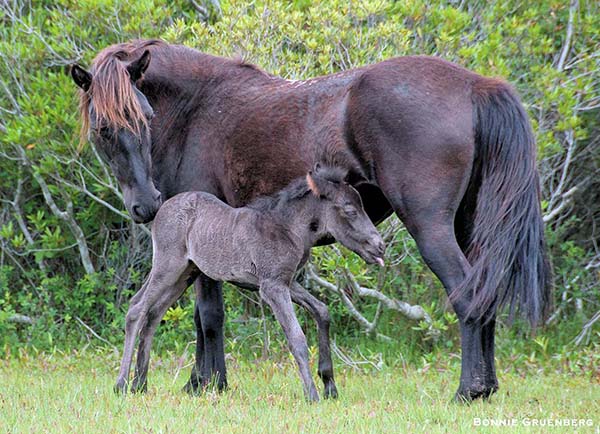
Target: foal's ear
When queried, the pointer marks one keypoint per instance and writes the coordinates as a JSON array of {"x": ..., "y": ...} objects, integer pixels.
[
  {"x": 81, "y": 77},
  {"x": 312, "y": 185},
  {"x": 137, "y": 68}
]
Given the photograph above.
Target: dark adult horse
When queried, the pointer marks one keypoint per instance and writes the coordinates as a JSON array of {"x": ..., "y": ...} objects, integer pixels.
[{"x": 451, "y": 152}]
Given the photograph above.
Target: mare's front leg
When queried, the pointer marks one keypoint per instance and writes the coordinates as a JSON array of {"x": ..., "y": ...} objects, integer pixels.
[
  {"x": 209, "y": 317},
  {"x": 277, "y": 296},
  {"x": 319, "y": 311},
  {"x": 195, "y": 382}
]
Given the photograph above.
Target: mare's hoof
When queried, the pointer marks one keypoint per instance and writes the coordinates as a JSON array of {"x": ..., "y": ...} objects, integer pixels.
[
  {"x": 330, "y": 391},
  {"x": 192, "y": 387},
  {"x": 196, "y": 386},
  {"x": 139, "y": 388},
  {"x": 467, "y": 395}
]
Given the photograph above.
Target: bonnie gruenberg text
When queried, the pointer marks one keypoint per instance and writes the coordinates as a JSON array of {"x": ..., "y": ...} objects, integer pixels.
[{"x": 539, "y": 422}]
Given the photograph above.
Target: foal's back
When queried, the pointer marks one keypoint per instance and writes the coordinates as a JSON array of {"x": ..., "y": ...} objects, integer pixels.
[{"x": 225, "y": 243}]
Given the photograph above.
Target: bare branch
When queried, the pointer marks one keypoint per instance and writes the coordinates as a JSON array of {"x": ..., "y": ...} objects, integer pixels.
[
  {"x": 587, "y": 329},
  {"x": 416, "y": 313},
  {"x": 567, "y": 45},
  {"x": 96, "y": 335},
  {"x": 20, "y": 319},
  {"x": 66, "y": 216}
]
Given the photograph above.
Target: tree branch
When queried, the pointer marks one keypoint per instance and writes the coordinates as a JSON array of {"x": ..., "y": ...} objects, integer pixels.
[
  {"x": 66, "y": 216},
  {"x": 416, "y": 313},
  {"x": 567, "y": 45}
]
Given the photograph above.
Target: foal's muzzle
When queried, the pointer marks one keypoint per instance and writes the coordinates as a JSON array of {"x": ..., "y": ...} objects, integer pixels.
[{"x": 375, "y": 251}]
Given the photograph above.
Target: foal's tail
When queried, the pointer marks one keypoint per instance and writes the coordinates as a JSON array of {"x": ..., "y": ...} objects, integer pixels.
[{"x": 506, "y": 247}]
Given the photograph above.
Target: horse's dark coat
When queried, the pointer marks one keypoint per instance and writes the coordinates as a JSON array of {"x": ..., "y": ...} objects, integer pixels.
[
  {"x": 258, "y": 246},
  {"x": 451, "y": 152}
]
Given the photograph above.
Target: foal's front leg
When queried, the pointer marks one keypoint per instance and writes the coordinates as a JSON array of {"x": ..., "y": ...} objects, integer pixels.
[
  {"x": 277, "y": 296},
  {"x": 320, "y": 313},
  {"x": 133, "y": 322}
]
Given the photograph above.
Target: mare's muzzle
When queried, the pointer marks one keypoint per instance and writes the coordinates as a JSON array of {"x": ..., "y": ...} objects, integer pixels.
[{"x": 144, "y": 207}]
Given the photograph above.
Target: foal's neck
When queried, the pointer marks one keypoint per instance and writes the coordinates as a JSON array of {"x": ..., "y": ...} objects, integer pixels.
[{"x": 304, "y": 217}]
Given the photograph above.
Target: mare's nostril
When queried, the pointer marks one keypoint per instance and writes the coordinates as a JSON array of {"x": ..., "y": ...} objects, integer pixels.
[{"x": 136, "y": 210}]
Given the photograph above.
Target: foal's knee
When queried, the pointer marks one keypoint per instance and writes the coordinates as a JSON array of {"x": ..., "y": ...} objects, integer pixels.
[
  {"x": 132, "y": 316},
  {"x": 324, "y": 317}
]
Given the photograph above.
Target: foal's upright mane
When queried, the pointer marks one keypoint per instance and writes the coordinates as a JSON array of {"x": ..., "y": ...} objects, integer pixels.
[
  {"x": 295, "y": 190},
  {"x": 115, "y": 102}
]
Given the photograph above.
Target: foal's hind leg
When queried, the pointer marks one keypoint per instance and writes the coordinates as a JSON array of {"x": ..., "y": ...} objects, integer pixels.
[
  {"x": 277, "y": 296},
  {"x": 320, "y": 313}
]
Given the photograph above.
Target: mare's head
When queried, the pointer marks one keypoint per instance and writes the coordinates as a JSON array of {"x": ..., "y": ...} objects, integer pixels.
[
  {"x": 117, "y": 116},
  {"x": 345, "y": 217}
]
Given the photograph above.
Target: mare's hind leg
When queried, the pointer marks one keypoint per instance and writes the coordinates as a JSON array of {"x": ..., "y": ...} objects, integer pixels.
[
  {"x": 463, "y": 231},
  {"x": 319, "y": 311},
  {"x": 425, "y": 186},
  {"x": 438, "y": 247},
  {"x": 487, "y": 343},
  {"x": 277, "y": 296}
]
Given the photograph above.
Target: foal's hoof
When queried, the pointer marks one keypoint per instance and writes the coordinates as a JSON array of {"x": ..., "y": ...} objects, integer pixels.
[
  {"x": 330, "y": 391},
  {"x": 312, "y": 397},
  {"x": 121, "y": 387}
]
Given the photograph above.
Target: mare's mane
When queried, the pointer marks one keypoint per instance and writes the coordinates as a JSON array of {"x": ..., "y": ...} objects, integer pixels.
[{"x": 115, "y": 102}]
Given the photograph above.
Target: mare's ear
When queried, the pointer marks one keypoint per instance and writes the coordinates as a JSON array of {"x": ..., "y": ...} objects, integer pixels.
[
  {"x": 312, "y": 185},
  {"x": 137, "y": 68},
  {"x": 81, "y": 77}
]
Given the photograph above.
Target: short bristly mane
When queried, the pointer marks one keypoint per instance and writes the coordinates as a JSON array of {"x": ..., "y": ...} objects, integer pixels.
[
  {"x": 115, "y": 103},
  {"x": 296, "y": 189}
]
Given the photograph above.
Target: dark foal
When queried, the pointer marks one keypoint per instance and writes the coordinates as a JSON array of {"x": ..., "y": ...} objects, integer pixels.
[{"x": 259, "y": 246}]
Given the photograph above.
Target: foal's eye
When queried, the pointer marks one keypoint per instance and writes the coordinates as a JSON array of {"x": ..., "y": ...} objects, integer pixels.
[{"x": 350, "y": 211}]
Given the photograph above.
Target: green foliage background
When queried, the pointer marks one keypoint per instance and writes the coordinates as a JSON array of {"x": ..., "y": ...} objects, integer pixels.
[{"x": 547, "y": 49}]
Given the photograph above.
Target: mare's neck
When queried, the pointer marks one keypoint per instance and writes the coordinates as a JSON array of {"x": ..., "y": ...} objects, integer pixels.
[{"x": 184, "y": 85}]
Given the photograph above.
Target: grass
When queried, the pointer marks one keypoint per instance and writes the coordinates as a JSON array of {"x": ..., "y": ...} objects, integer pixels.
[{"x": 73, "y": 393}]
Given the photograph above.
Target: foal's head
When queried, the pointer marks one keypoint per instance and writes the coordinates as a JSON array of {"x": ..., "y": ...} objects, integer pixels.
[
  {"x": 118, "y": 115},
  {"x": 345, "y": 218}
]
